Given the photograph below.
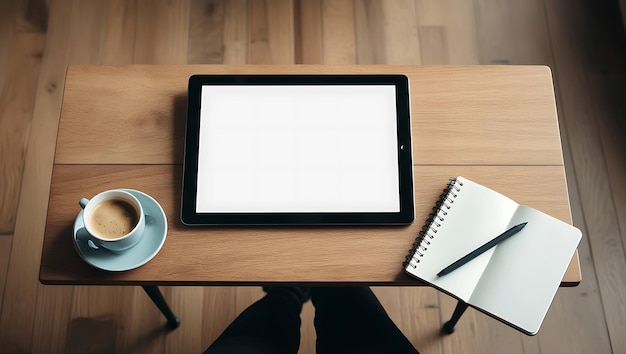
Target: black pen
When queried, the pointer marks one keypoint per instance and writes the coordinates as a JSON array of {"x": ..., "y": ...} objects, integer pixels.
[{"x": 482, "y": 249}]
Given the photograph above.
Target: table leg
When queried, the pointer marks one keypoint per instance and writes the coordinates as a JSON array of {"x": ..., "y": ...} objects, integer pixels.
[
  {"x": 155, "y": 294},
  {"x": 450, "y": 326}
]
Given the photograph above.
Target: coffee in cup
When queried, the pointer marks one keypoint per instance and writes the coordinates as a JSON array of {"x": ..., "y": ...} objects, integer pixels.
[{"x": 113, "y": 220}]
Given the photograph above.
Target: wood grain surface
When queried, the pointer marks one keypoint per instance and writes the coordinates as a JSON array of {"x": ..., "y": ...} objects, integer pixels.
[
  {"x": 218, "y": 255},
  {"x": 16, "y": 108},
  {"x": 479, "y": 111},
  {"x": 463, "y": 119}
]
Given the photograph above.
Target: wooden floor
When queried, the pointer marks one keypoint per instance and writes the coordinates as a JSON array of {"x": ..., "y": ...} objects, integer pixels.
[{"x": 581, "y": 40}]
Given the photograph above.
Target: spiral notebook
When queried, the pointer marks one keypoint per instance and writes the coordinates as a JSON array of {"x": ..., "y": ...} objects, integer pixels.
[{"x": 516, "y": 280}]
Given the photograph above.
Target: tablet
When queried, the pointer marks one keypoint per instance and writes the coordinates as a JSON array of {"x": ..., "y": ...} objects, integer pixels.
[{"x": 297, "y": 150}]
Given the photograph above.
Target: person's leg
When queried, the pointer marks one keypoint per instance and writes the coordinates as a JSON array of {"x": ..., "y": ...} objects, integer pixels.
[
  {"x": 270, "y": 325},
  {"x": 352, "y": 320}
]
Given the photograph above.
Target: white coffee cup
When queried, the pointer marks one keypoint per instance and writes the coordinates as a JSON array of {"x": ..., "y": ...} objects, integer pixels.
[{"x": 114, "y": 220}]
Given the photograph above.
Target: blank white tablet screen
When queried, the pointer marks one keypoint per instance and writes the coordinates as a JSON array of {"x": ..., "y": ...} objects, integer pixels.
[{"x": 310, "y": 149}]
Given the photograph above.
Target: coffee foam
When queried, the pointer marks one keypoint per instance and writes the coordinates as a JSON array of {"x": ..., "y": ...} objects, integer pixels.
[{"x": 113, "y": 218}]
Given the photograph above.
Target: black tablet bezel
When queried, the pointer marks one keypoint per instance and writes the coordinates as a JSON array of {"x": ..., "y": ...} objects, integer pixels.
[{"x": 190, "y": 217}]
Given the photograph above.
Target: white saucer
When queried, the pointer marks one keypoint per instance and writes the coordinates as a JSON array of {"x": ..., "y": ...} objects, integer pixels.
[{"x": 140, "y": 254}]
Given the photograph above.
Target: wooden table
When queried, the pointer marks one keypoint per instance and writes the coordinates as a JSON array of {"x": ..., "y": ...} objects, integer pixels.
[{"x": 123, "y": 127}]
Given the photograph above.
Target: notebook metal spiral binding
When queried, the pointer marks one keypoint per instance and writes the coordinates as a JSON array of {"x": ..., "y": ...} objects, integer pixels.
[{"x": 433, "y": 223}]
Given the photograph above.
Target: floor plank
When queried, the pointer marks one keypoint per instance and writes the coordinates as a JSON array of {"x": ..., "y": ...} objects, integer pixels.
[
  {"x": 52, "y": 319},
  {"x": 458, "y": 28},
  {"x": 5, "y": 254},
  {"x": 369, "y": 39},
  {"x": 507, "y": 36},
  {"x": 119, "y": 26},
  {"x": 589, "y": 164},
  {"x": 577, "y": 312},
  {"x": 607, "y": 79},
  {"x": 271, "y": 32},
  {"x": 143, "y": 324},
  {"x": 187, "y": 303},
  {"x": 89, "y": 335},
  {"x": 32, "y": 16},
  {"x": 17, "y": 99},
  {"x": 21, "y": 290},
  {"x": 400, "y": 31},
  {"x": 235, "y": 32},
  {"x": 88, "y": 27},
  {"x": 387, "y": 32},
  {"x": 206, "y": 32},
  {"x": 308, "y": 31},
  {"x": 338, "y": 37},
  {"x": 8, "y": 13},
  {"x": 162, "y": 32},
  {"x": 435, "y": 45}
]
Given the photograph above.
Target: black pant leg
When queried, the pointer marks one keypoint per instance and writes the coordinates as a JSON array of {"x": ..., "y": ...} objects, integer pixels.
[
  {"x": 352, "y": 320},
  {"x": 270, "y": 325}
]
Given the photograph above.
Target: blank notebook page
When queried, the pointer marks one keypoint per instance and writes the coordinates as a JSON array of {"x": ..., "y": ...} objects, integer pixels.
[{"x": 465, "y": 228}]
